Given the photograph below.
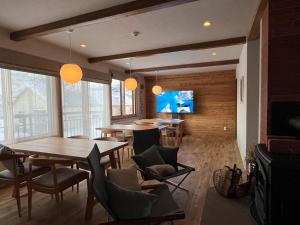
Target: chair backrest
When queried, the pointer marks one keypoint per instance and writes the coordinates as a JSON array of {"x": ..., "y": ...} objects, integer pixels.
[
  {"x": 144, "y": 139},
  {"x": 98, "y": 179},
  {"x": 79, "y": 137}
]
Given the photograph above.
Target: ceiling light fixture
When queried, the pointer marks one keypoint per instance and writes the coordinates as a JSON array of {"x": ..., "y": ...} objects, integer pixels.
[
  {"x": 156, "y": 89},
  {"x": 207, "y": 23},
  {"x": 214, "y": 54},
  {"x": 130, "y": 83},
  {"x": 83, "y": 46},
  {"x": 70, "y": 72}
]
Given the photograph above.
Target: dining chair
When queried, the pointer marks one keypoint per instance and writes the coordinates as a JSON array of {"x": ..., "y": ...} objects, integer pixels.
[
  {"x": 125, "y": 136},
  {"x": 83, "y": 164},
  {"x": 112, "y": 139},
  {"x": 164, "y": 210},
  {"x": 55, "y": 181},
  {"x": 15, "y": 178}
]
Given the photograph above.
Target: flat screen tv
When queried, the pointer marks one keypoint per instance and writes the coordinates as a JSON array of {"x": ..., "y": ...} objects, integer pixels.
[
  {"x": 285, "y": 120},
  {"x": 175, "y": 102}
]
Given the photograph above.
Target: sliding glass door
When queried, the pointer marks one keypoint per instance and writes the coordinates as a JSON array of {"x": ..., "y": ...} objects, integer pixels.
[{"x": 85, "y": 107}]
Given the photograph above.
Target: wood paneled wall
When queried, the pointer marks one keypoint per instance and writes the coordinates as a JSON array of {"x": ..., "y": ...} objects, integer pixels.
[{"x": 214, "y": 101}]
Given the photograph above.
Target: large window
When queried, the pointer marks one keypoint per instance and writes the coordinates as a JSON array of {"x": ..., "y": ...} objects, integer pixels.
[
  {"x": 26, "y": 106},
  {"x": 123, "y": 100},
  {"x": 85, "y": 107}
]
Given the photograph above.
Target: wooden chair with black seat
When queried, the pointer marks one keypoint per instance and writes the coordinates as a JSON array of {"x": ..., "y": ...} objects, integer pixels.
[
  {"x": 83, "y": 164},
  {"x": 17, "y": 171},
  {"x": 156, "y": 162},
  {"x": 55, "y": 181},
  {"x": 127, "y": 206}
]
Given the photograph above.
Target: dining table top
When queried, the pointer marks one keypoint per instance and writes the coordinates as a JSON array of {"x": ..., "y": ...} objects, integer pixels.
[
  {"x": 159, "y": 121},
  {"x": 66, "y": 147},
  {"x": 130, "y": 127}
]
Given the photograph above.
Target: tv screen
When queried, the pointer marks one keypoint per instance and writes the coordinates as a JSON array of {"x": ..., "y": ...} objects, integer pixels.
[
  {"x": 285, "y": 119},
  {"x": 175, "y": 102}
]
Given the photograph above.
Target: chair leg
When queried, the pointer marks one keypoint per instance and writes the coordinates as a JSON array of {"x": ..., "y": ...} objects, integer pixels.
[
  {"x": 123, "y": 149},
  {"x": 29, "y": 188},
  {"x": 89, "y": 203},
  {"x": 62, "y": 195},
  {"x": 18, "y": 198},
  {"x": 119, "y": 159},
  {"x": 57, "y": 197},
  {"x": 177, "y": 186}
]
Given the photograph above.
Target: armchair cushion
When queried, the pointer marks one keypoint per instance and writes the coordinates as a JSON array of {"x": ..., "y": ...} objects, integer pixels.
[
  {"x": 8, "y": 164},
  {"x": 169, "y": 155},
  {"x": 161, "y": 170},
  {"x": 149, "y": 157},
  {"x": 125, "y": 178},
  {"x": 128, "y": 204}
]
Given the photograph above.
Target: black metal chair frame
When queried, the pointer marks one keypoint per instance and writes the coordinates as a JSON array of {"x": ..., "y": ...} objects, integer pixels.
[
  {"x": 144, "y": 139},
  {"x": 97, "y": 176}
]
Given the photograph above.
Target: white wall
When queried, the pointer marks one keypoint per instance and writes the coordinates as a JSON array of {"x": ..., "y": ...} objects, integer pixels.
[
  {"x": 241, "y": 72},
  {"x": 248, "y": 110},
  {"x": 253, "y": 52}
]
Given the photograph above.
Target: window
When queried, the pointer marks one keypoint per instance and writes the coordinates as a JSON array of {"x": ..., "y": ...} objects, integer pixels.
[
  {"x": 85, "y": 107},
  {"x": 123, "y": 100},
  {"x": 26, "y": 106}
]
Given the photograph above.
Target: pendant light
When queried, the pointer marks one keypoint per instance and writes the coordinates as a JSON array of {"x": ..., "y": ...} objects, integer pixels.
[
  {"x": 156, "y": 89},
  {"x": 130, "y": 83},
  {"x": 71, "y": 73}
]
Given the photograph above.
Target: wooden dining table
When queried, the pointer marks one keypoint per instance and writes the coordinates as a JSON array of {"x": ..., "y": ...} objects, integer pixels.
[
  {"x": 177, "y": 124},
  {"x": 129, "y": 127},
  {"x": 77, "y": 149}
]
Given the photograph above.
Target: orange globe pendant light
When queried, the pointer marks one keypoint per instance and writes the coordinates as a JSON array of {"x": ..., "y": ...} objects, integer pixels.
[
  {"x": 130, "y": 83},
  {"x": 70, "y": 73},
  {"x": 156, "y": 89}
]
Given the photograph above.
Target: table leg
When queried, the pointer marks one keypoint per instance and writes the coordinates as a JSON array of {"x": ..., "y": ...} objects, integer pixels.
[{"x": 113, "y": 161}]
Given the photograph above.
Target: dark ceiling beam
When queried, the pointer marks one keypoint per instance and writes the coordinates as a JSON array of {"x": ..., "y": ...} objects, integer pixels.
[
  {"x": 255, "y": 28},
  {"x": 194, "y": 46},
  {"x": 184, "y": 66},
  {"x": 114, "y": 12}
]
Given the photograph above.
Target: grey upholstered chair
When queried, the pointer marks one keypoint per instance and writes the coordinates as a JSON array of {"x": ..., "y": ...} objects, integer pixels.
[{"x": 165, "y": 209}]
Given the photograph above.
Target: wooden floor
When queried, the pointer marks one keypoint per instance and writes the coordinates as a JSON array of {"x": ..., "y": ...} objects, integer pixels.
[{"x": 205, "y": 155}]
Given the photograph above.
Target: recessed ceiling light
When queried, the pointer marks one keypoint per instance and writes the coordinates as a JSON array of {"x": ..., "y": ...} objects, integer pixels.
[
  {"x": 207, "y": 23},
  {"x": 83, "y": 46},
  {"x": 214, "y": 54}
]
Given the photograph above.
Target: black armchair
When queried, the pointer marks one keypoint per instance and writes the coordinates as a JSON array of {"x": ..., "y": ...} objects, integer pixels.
[
  {"x": 143, "y": 140},
  {"x": 165, "y": 209}
]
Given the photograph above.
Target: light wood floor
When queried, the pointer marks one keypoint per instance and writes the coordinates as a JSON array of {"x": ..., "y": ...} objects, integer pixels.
[{"x": 205, "y": 155}]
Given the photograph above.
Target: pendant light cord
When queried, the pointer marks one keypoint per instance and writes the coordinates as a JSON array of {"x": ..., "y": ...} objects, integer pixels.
[
  {"x": 70, "y": 31},
  {"x": 130, "y": 61}
]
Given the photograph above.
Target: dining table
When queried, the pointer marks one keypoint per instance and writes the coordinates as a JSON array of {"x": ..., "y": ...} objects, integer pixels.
[
  {"x": 171, "y": 124},
  {"x": 76, "y": 149}
]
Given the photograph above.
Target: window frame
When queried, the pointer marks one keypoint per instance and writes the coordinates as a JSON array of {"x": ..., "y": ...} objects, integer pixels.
[{"x": 122, "y": 102}]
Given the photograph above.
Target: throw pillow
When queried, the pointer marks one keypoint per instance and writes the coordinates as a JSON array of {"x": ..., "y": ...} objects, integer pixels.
[
  {"x": 149, "y": 157},
  {"x": 169, "y": 155},
  {"x": 161, "y": 170},
  {"x": 127, "y": 204},
  {"x": 125, "y": 178},
  {"x": 8, "y": 164}
]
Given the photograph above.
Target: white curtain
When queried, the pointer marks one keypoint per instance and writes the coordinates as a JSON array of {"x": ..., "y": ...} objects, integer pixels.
[{"x": 26, "y": 109}]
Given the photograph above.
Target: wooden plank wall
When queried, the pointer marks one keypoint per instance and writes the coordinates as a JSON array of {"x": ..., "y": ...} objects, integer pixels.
[{"x": 214, "y": 98}]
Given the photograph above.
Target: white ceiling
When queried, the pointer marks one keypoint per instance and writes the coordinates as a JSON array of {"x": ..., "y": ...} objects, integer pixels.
[{"x": 162, "y": 28}]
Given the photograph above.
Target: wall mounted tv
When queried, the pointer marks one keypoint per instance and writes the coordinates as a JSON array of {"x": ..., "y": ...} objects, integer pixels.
[
  {"x": 175, "y": 102},
  {"x": 285, "y": 119}
]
